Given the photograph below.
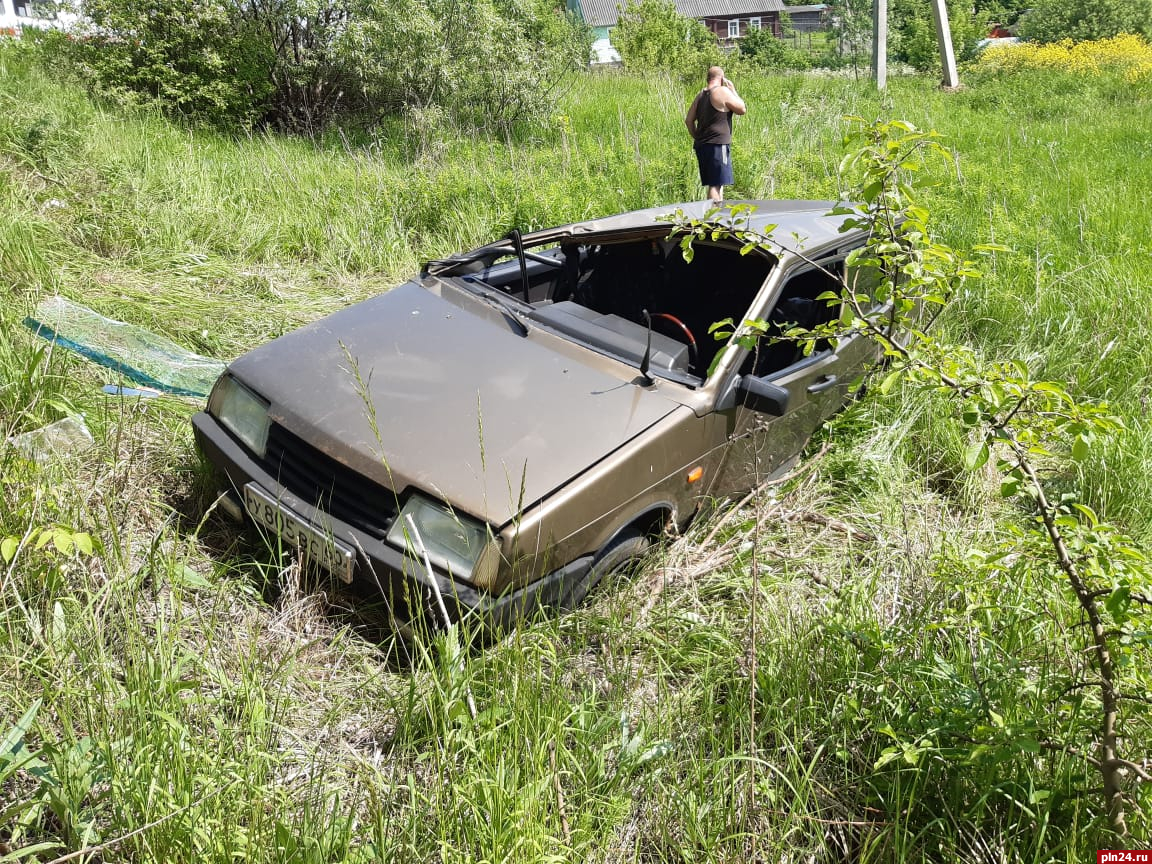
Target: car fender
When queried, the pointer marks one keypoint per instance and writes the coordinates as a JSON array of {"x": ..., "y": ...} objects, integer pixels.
[{"x": 650, "y": 521}]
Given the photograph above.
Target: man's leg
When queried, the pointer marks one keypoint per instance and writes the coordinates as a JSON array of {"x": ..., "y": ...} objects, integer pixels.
[{"x": 716, "y": 193}]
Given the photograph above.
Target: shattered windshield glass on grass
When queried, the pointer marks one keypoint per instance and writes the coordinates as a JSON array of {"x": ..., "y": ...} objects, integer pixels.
[{"x": 139, "y": 355}]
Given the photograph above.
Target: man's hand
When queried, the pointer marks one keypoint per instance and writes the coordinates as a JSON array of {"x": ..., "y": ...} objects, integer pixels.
[{"x": 731, "y": 99}]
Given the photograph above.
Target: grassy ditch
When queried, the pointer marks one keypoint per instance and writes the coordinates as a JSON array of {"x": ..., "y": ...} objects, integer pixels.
[{"x": 823, "y": 673}]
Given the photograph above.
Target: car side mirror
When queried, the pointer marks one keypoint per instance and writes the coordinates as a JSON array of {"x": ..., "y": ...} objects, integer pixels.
[{"x": 760, "y": 395}]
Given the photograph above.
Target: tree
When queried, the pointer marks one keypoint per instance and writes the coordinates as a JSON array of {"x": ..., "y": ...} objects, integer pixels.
[
  {"x": 1002, "y": 11},
  {"x": 768, "y": 52},
  {"x": 652, "y": 35},
  {"x": 1021, "y": 425},
  {"x": 1085, "y": 20},
  {"x": 297, "y": 65},
  {"x": 852, "y": 24},
  {"x": 482, "y": 62},
  {"x": 199, "y": 59},
  {"x": 912, "y": 32}
]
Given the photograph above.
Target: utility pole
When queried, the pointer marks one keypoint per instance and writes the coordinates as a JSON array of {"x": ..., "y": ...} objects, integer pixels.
[
  {"x": 944, "y": 40},
  {"x": 880, "y": 43}
]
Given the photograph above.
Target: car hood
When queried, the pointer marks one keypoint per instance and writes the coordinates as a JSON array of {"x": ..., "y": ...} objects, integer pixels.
[{"x": 413, "y": 390}]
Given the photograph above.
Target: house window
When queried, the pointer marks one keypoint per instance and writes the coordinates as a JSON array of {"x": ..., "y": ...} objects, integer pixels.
[
  {"x": 753, "y": 23},
  {"x": 733, "y": 28},
  {"x": 32, "y": 9}
]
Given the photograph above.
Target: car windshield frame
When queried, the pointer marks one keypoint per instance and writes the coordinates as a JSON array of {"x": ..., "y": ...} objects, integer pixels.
[{"x": 472, "y": 271}]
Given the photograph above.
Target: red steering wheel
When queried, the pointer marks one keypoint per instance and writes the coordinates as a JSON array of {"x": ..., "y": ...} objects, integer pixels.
[{"x": 693, "y": 352}]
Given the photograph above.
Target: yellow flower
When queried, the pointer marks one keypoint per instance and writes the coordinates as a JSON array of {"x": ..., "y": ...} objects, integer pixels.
[{"x": 1127, "y": 54}]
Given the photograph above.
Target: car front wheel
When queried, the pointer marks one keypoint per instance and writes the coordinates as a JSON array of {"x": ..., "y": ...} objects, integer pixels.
[{"x": 624, "y": 549}]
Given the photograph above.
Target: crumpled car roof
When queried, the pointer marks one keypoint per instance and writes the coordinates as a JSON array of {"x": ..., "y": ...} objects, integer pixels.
[{"x": 809, "y": 226}]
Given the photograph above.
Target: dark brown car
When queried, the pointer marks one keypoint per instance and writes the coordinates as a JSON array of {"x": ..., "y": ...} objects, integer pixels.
[{"x": 528, "y": 413}]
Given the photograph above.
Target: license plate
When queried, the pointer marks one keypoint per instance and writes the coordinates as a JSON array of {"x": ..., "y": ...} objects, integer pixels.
[{"x": 316, "y": 545}]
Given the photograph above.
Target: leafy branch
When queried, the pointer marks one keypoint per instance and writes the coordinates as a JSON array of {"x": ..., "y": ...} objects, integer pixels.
[{"x": 1022, "y": 425}]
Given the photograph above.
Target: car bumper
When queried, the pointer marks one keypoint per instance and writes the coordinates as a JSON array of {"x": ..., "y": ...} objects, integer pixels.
[{"x": 401, "y": 579}]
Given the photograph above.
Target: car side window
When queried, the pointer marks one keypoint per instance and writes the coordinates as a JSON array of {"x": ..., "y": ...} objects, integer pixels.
[
  {"x": 869, "y": 282},
  {"x": 799, "y": 305}
]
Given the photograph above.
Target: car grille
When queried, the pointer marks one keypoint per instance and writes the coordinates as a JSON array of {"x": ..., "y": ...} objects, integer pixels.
[{"x": 328, "y": 484}]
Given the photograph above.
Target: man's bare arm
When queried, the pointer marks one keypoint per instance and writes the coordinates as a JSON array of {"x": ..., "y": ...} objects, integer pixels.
[
  {"x": 731, "y": 100},
  {"x": 690, "y": 118}
]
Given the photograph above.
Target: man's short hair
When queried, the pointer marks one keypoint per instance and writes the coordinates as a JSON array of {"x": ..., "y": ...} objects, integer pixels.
[{"x": 715, "y": 72}]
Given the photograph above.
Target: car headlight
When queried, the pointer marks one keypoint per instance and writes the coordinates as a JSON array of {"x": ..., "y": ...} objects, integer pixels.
[
  {"x": 463, "y": 546},
  {"x": 241, "y": 412}
]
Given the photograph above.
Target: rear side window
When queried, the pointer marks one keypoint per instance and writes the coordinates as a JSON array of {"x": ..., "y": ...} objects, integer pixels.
[
  {"x": 868, "y": 281},
  {"x": 799, "y": 305}
]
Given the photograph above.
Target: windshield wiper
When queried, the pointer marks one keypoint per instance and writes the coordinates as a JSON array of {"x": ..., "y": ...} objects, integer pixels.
[{"x": 500, "y": 302}]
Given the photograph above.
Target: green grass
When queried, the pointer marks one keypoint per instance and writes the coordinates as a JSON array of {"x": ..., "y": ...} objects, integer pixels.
[{"x": 731, "y": 703}]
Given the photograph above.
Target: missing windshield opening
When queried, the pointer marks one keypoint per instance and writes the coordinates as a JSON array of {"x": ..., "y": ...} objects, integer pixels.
[{"x": 602, "y": 289}]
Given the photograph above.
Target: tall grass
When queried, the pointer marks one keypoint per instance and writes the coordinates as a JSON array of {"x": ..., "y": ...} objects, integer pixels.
[{"x": 740, "y": 699}]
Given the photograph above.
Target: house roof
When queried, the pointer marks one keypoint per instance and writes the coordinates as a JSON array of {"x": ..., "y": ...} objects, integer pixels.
[
  {"x": 603, "y": 13},
  {"x": 818, "y": 7}
]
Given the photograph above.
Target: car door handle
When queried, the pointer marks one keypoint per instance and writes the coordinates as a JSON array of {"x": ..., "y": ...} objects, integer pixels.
[{"x": 825, "y": 383}]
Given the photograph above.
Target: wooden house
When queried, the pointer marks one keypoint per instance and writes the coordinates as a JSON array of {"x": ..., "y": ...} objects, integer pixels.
[{"x": 730, "y": 20}]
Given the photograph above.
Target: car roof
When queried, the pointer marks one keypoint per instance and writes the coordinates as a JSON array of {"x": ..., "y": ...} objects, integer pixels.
[
  {"x": 791, "y": 225},
  {"x": 788, "y": 222},
  {"x": 805, "y": 218}
]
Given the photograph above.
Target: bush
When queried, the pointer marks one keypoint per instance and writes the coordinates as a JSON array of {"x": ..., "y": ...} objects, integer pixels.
[
  {"x": 1127, "y": 56},
  {"x": 463, "y": 59},
  {"x": 652, "y": 36},
  {"x": 913, "y": 33},
  {"x": 299, "y": 64},
  {"x": 763, "y": 49},
  {"x": 196, "y": 58},
  {"x": 1080, "y": 20}
]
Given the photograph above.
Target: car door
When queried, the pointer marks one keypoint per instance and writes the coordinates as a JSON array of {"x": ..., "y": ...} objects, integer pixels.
[{"x": 779, "y": 397}]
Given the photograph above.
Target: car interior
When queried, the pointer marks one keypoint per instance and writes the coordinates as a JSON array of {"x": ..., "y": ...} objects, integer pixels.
[{"x": 636, "y": 297}]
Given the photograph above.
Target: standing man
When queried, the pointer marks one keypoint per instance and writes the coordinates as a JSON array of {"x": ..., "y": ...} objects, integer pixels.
[{"x": 709, "y": 122}]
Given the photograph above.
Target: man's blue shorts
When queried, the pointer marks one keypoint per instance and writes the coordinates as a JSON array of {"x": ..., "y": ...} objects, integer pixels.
[{"x": 715, "y": 164}]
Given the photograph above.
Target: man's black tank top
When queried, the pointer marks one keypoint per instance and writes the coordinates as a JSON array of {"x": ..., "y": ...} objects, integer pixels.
[{"x": 712, "y": 126}]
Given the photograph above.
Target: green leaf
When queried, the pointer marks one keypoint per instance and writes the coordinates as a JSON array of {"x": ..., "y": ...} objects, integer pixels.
[
  {"x": 976, "y": 455},
  {"x": 890, "y": 381},
  {"x": 1009, "y": 486},
  {"x": 872, "y": 190},
  {"x": 83, "y": 541},
  {"x": 1080, "y": 448},
  {"x": 1118, "y": 601},
  {"x": 725, "y": 324},
  {"x": 8, "y": 547},
  {"x": 1087, "y": 512},
  {"x": 62, "y": 540},
  {"x": 13, "y": 740},
  {"x": 187, "y": 576},
  {"x": 889, "y": 754}
]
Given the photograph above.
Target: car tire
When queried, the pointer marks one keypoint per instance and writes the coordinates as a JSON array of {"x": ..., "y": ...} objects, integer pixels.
[{"x": 623, "y": 549}]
